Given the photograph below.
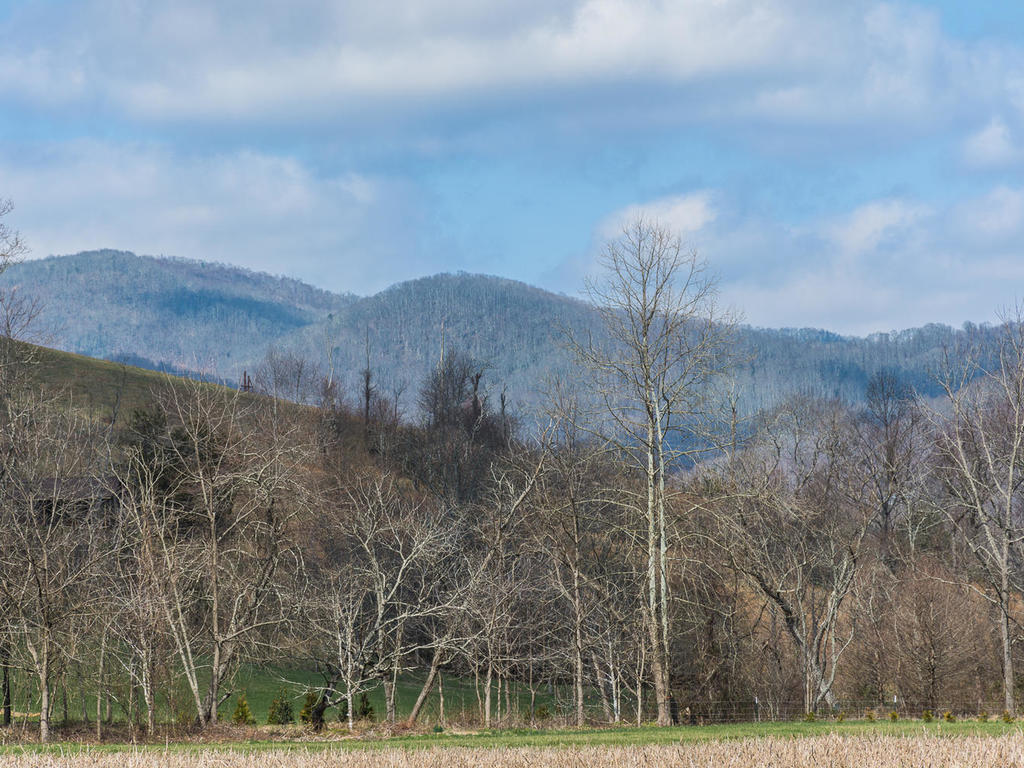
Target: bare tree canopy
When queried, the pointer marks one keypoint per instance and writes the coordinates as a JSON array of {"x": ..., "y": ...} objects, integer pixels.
[{"x": 652, "y": 374}]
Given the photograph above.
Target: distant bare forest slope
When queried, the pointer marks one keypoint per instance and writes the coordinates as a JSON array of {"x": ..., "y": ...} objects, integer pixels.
[{"x": 190, "y": 315}]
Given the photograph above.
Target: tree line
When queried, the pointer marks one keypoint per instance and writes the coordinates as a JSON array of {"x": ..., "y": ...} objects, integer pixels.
[{"x": 645, "y": 552}]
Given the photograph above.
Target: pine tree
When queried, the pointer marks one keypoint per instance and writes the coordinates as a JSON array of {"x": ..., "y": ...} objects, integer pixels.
[
  {"x": 306, "y": 713},
  {"x": 280, "y": 712},
  {"x": 364, "y": 709},
  {"x": 242, "y": 714}
]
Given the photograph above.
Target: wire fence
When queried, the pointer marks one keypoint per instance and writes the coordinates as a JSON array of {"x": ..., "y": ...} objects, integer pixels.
[
  {"x": 558, "y": 710},
  {"x": 755, "y": 710}
]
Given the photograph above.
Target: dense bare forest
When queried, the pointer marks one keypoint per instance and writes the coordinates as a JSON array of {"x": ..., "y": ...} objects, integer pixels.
[{"x": 649, "y": 551}]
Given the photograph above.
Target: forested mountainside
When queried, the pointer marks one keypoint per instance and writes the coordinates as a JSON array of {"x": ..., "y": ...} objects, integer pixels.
[
  {"x": 183, "y": 313},
  {"x": 187, "y": 315}
]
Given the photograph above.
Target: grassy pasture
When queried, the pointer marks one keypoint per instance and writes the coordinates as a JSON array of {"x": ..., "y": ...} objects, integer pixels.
[
  {"x": 261, "y": 685},
  {"x": 840, "y": 749},
  {"x": 296, "y": 739},
  {"x": 97, "y": 387}
]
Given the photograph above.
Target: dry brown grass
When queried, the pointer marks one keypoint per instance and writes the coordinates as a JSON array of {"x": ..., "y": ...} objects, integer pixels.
[{"x": 815, "y": 752}]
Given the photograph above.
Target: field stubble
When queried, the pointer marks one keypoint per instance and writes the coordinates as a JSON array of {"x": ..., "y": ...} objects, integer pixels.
[{"x": 831, "y": 751}]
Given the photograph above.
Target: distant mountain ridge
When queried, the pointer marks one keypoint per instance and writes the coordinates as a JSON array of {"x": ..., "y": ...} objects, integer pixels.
[
  {"x": 181, "y": 312},
  {"x": 190, "y": 315}
]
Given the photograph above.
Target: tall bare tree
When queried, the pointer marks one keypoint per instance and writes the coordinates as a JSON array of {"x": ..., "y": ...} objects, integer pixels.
[
  {"x": 382, "y": 569},
  {"x": 890, "y": 442},
  {"x": 663, "y": 343},
  {"x": 12, "y": 248},
  {"x": 51, "y": 525},
  {"x": 980, "y": 461},
  {"x": 213, "y": 525},
  {"x": 793, "y": 521}
]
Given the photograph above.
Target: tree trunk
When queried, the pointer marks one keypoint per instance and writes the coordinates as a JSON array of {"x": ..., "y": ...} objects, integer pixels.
[
  {"x": 599, "y": 680},
  {"x": 99, "y": 687},
  {"x": 817, "y": 688},
  {"x": 476, "y": 690},
  {"x": 613, "y": 681},
  {"x": 440, "y": 695},
  {"x": 44, "y": 701},
  {"x": 427, "y": 686},
  {"x": 149, "y": 696},
  {"x": 658, "y": 662},
  {"x": 1004, "y": 635},
  {"x": 497, "y": 706},
  {"x": 350, "y": 698},
  {"x": 316, "y": 716},
  {"x": 389, "y": 699},
  {"x": 665, "y": 646},
  {"x": 487, "y": 696},
  {"x": 5, "y": 665},
  {"x": 508, "y": 696},
  {"x": 81, "y": 694},
  {"x": 213, "y": 691},
  {"x": 578, "y": 648},
  {"x": 641, "y": 664},
  {"x": 639, "y": 702}
]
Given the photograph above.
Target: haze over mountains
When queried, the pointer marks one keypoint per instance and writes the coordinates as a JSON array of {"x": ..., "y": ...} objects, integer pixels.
[{"x": 188, "y": 315}]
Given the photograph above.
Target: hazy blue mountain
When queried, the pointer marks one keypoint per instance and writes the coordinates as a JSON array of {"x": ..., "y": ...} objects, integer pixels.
[
  {"x": 191, "y": 315},
  {"x": 179, "y": 312}
]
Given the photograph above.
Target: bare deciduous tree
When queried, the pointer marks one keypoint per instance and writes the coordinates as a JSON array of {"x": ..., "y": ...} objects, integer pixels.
[
  {"x": 383, "y": 569},
  {"x": 212, "y": 524},
  {"x": 664, "y": 342},
  {"x": 51, "y": 527},
  {"x": 793, "y": 523},
  {"x": 980, "y": 461}
]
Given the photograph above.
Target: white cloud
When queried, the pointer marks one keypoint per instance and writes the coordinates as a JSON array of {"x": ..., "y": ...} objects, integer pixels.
[
  {"x": 268, "y": 212},
  {"x": 866, "y": 227},
  {"x": 885, "y": 264},
  {"x": 685, "y": 215},
  {"x": 789, "y": 60},
  {"x": 992, "y": 146},
  {"x": 997, "y": 215}
]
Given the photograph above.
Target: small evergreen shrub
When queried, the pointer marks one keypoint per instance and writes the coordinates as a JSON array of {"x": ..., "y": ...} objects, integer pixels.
[
  {"x": 280, "y": 712},
  {"x": 306, "y": 713},
  {"x": 364, "y": 709},
  {"x": 438, "y": 728},
  {"x": 869, "y": 715},
  {"x": 927, "y": 716},
  {"x": 948, "y": 716},
  {"x": 840, "y": 716},
  {"x": 894, "y": 716},
  {"x": 242, "y": 714},
  {"x": 983, "y": 716},
  {"x": 809, "y": 717},
  {"x": 1007, "y": 717}
]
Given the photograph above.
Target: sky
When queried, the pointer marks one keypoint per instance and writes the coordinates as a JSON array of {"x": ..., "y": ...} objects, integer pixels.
[{"x": 855, "y": 166}]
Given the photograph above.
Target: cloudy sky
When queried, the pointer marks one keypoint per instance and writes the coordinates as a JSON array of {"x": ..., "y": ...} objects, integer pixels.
[{"x": 849, "y": 165}]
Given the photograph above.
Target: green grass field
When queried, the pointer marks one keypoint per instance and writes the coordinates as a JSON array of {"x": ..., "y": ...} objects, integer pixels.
[
  {"x": 596, "y": 737},
  {"x": 261, "y": 685},
  {"x": 97, "y": 387}
]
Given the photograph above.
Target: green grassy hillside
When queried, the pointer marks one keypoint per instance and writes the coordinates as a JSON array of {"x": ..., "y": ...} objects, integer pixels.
[
  {"x": 261, "y": 685},
  {"x": 103, "y": 389}
]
